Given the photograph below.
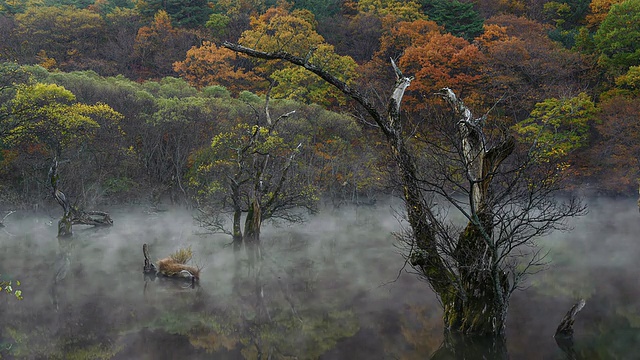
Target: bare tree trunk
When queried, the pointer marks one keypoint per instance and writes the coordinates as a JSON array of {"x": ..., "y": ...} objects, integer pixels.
[
  {"x": 237, "y": 218},
  {"x": 237, "y": 233},
  {"x": 565, "y": 328},
  {"x": 467, "y": 271},
  {"x": 5, "y": 217},
  {"x": 252, "y": 234},
  {"x": 481, "y": 301},
  {"x": 72, "y": 215},
  {"x": 424, "y": 224}
]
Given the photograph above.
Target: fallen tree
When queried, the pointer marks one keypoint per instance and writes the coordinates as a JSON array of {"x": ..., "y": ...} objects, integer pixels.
[{"x": 507, "y": 204}]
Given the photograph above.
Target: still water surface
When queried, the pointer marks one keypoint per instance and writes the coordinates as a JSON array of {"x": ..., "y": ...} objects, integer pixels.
[{"x": 332, "y": 288}]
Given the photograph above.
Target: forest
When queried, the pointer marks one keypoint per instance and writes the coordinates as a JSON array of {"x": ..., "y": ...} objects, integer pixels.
[
  {"x": 133, "y": 93},
  {"x": 251, "y": 111}
]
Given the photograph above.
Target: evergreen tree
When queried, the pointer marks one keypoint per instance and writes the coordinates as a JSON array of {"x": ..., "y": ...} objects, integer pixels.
[
  {"x": 458, "y": 18},
  {"x": 618, "y": 38},
  {"x": 183, "y": 13}
]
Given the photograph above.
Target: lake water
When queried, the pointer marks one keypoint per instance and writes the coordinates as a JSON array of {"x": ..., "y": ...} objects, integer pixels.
[{"x": 331, "y": 288}]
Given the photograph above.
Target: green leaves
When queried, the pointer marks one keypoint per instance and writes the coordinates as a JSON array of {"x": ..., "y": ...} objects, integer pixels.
[
  {"x": 558, "y": 126},
  {"x": 294, "y": 32},
  {"x": 184, "y": 13},
  {"x": 618, "y": 37},
  {"x": 458, "y": 18},
  {"x": 7, "y": 286},
  {"x": 47, "y": 115}
]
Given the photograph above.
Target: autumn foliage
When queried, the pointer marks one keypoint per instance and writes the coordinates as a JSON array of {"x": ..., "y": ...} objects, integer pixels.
[
  {"x": 521, "y": 57},
  {"x": 209, "y": 64}
]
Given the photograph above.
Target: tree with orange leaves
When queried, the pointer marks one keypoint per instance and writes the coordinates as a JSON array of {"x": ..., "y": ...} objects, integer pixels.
[
  {"x": 435, "y": 58},
  {"x": 598, "y": 11},
  {"x": 523, "y": 66},
  {"x": 210, "y": 65}
]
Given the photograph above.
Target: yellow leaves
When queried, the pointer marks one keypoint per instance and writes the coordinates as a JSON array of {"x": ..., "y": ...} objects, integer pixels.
[
  {"x": 400, "y": 10},
  {"x": 45, "y": 61},
  {"x": 7, "y": 286},
  {"x": 182, "y": 255},
  {"x": 280, "y": 29},
  {"x": 162, "y": 21},
  {"x": 630, "y": 80},
  {"x": 48, "y": 114},
  {"x": 296, "y": 83},
  {"x": 558, "y": 126},
  {"x": 599, "y": 10},
  {"x": 41, "y": 94}
]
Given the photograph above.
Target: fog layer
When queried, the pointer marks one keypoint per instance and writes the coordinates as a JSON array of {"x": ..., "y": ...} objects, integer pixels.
[{"x": 333, "y": 287}]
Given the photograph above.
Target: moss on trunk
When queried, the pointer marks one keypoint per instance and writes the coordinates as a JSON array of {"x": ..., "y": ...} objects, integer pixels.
[{"x": 252, "y": 233}]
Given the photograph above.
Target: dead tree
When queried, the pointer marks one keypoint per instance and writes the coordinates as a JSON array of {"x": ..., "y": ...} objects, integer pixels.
[
  {"x": 474, "y": 268},
  {"x": 565, "y": 328},
  {"x": 72, "y": 215},
  {"x": 564, "y": 332},
  {"x": 5, "y": 217}
]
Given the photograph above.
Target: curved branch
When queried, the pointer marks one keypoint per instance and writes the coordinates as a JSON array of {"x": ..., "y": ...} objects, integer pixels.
[
  {"x": 341, "y": 85},
  {"x": 420, "y": 215}
]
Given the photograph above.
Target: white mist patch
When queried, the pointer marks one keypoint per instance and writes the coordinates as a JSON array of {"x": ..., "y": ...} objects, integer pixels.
[{"x": 341, "y": 261}]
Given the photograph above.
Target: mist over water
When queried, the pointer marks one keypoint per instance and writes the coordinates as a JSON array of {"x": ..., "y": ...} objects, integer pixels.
[{"x": 330, "y": 288}]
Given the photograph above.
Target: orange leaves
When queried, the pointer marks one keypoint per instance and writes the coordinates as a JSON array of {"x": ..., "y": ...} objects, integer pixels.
[
  {"x": 211, "y": 65},
  {"x": 406, "y": 34},
  {"x": 161, "y": 28},
  {"x": 493, "y": 33},
  {"x": 613, "y": 157},
  {"x": 509, "y": 68},
  {"x": 280, "y": 29},
  {"x": 500, "y": 47},
  {"x": 444, "y": 60},
  {"x": 523, "y": 65},
  {"x": 435, "y": 59},
  {"x": 159, "y": 45},
  {"x": 599, "y": 10}
]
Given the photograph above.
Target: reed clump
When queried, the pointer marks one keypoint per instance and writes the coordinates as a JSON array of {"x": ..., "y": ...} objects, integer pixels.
[{"x": 176, "y": 263}]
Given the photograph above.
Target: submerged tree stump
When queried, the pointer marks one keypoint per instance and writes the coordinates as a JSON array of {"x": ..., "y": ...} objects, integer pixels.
[
  {"x": 564, "y": 332},
  {"x": 565, "y": 328}
]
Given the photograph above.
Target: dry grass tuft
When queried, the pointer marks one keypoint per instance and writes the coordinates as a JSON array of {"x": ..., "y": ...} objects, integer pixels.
[
  {"x": 169, "y": 267},
  {"x": 182, "y": 256},
  {"x": 176, "y": 262}
]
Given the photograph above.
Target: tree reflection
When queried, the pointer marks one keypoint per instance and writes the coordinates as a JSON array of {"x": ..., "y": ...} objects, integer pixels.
[
  {"x": 274, "y": 312},
  {"x": 458, "y": 346},
  {"x": 421, "y": 329}
]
